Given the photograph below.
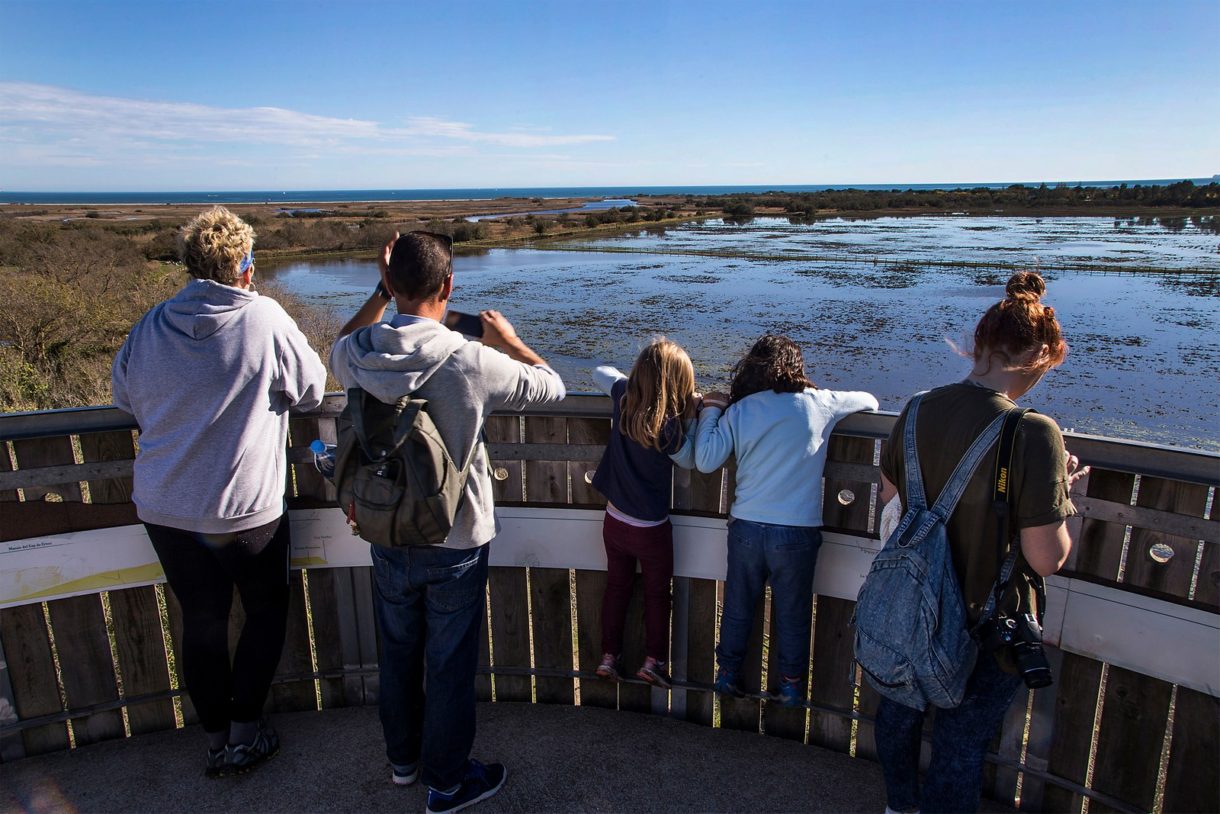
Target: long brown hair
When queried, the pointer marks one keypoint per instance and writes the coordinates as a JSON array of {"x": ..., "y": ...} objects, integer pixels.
[
  {"x": 1020, "y": 323},
  {"x": 774, "y": 363},
  {"x": 662, "y": 381}
]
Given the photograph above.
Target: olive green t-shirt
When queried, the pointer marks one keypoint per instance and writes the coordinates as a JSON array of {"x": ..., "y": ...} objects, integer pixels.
[{"x": 950, "y": 418}]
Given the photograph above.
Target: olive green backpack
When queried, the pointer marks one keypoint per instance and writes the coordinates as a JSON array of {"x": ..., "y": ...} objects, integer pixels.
[{"x": 397, "y": 482}]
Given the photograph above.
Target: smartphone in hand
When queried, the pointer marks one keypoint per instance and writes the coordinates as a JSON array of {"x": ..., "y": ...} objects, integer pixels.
[{"x": 466, "y": 324}]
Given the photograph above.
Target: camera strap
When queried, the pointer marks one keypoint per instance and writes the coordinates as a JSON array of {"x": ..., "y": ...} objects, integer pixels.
[{"x": 1001, "y": 501}]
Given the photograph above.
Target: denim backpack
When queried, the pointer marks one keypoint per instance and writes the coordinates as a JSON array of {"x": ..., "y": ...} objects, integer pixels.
[{"x": 912, "y": 640}]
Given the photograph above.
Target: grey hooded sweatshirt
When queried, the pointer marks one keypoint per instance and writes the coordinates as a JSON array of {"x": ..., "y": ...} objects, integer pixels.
[
  {"x": 463, "y": 382},
  {"x": 210, "y": 376}
]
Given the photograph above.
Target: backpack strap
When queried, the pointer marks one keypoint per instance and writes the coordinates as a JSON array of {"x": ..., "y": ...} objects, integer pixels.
[
  {"x": 915, "y": 497},
  {"x": 355, "y": 409},
  {"x": 1001, "y": 502}
]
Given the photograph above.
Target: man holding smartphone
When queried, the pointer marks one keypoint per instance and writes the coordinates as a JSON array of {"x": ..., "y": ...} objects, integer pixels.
[{"x": 429, "y": 600}]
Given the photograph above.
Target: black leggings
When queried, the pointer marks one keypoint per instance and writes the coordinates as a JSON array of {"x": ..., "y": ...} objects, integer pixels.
[{"x": 202, "y": 570}]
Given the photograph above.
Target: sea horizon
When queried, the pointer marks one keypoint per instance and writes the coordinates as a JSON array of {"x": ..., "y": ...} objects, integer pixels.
[{"x": 297, "y": 196}]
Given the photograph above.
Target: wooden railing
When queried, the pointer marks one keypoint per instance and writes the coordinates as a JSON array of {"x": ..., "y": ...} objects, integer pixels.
[{"x": 1128, "y": 725}]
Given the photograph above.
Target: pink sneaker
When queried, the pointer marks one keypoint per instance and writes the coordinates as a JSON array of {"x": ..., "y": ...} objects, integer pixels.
[
  {"x": 608, "y": 669},
  {"x": 654, "y": 673}
]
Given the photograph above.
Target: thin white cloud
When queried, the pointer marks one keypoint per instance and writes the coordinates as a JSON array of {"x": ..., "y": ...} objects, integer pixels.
[
  {"x": 431, "y": 126},
  {"x": 63, "y": 127}
]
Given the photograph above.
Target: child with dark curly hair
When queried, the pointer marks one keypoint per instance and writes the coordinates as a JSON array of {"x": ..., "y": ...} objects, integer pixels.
[{"x": 777, "y": 423}]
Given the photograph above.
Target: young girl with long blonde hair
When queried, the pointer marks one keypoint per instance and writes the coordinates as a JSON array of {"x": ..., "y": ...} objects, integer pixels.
[{"x": 652, "y": 429}]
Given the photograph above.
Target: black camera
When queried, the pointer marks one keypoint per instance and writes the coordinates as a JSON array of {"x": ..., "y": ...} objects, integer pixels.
[{"x": 1023, "y": 636}]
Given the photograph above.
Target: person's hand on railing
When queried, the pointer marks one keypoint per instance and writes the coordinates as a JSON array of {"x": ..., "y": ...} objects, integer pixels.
[
  {"x": 1074, "y": 470},
  {"x": 716, "y": 399},
  {"x": 693, "y": 405}
]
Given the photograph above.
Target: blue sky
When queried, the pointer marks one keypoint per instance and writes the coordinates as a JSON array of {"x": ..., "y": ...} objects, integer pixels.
[{"x": 170, "y": 95}]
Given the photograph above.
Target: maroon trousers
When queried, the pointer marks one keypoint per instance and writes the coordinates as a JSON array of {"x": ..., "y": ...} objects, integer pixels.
[{"x": 653, "y": 547}]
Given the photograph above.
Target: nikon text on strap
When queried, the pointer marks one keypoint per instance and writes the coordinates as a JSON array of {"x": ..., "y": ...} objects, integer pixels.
[{"x": 1001, "y": 501}]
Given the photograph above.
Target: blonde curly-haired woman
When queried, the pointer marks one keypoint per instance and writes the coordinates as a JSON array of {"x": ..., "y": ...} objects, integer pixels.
[{"x": 210, "y": 376}]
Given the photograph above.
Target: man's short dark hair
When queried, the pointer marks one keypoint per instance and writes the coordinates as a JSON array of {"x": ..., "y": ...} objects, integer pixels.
[{"x": 419, "y": 264}]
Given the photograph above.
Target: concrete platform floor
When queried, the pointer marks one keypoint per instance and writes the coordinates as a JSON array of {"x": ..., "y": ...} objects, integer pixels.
[{"x": 569, "y": 759}]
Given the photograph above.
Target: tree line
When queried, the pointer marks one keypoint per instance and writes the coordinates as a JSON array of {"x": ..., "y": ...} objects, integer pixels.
[{"x": 1183, "y": 195}]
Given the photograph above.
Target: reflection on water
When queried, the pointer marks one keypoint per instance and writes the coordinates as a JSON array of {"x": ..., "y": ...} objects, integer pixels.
[{"x": 868, "y": 308}]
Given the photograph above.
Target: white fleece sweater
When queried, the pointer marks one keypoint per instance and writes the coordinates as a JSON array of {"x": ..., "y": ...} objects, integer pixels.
[{"x": 780, "y": 443}]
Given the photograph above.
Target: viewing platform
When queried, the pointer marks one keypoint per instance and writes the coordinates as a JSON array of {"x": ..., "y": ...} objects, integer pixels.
[{"x": 91, "y": 692}]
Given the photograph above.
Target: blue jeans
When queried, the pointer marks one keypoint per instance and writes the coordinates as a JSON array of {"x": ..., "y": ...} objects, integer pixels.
[
  {"x": 786, "y": 555},
  {"x": 960, "y": 737},
  {"x": 430, "y": 603}
]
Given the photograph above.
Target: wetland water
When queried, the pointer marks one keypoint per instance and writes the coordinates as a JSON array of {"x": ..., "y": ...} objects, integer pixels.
[{"x": 872, "y": 303}]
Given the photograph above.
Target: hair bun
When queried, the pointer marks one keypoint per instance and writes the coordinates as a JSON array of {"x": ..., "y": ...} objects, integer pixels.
[{"x": 1026, "y": 285}]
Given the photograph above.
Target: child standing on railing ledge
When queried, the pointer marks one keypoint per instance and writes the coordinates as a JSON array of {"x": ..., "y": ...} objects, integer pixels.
[
  {"x": 778, "y": 424},
  {"x": 651, "y": 429}
]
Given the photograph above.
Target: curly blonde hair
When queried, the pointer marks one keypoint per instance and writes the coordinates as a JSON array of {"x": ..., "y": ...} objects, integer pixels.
[{"x": 213, "y": 244}]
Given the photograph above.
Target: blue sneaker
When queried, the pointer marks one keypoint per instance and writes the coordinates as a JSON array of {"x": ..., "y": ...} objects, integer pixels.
[
  {"x": 480, "y": 783},
  {"x": 789, "y": 693},
  {"x": 405, "y": 775},
  {"x": 726, "y": 684}
]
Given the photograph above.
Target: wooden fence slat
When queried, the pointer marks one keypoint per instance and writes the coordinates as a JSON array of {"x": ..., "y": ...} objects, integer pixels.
[
  {"x": 6, "y": 495},
  {"x": 586, "y": 431},
  {"x": 1133, "y": 721},
  {"x": 1207, "y": 590},
  {"x": 355, "y": 618},
  {"x": 1191, "y": 783},
  {"x": 11, "y": 746},
  {"x": 368, "y": 632},
  {"x": 1041, "y": 733},
  {"x": 295, "y": 659},
  {"x": 1099, "y": 550},
  {"x": 866, "y": 704},
  {"x": 1172, "y": 577},
  {"x": 482, "y": 680},
  {"x": 854, "y": 514},
  {"x": 546, "y": 481},
  {"x": 54, "y": 451},
  {"x": 1136, "y": 708},
  {"x": 590, "y": 588},
  {"x": 634, "y": 697},
  {"x": 552, "y": 611},
  {"x": 831, "y": 686},
  {"x": 109, "y": 446},
  {"x": 40, "y": 519},
  {"x": 778, "y": 720},
  {"x": 1076, "y": 701},
  {"x": 510, "y": 488},
  {"x": 174, "y": 611},
  {"x": 744, "y": 713},
  {"x": 1007, "y": 745},
  {"x": 31, "y": 670},
  {"x": 142, "y": 658},
  {"x": 510, "y": 638},
  {"x": 86, "y": 666},
  {"x": 707, "y": 492},
  {"x": 701, "y": 647},
  {"x": 325, "y": 610}
]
